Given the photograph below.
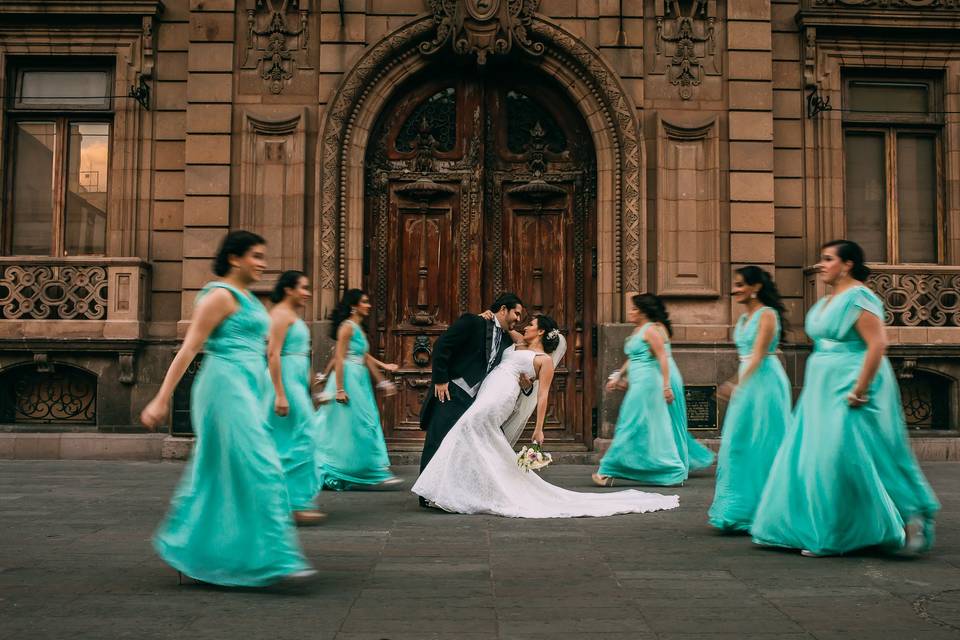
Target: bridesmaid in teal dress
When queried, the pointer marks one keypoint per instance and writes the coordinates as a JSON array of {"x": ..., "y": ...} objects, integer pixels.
[
  {"x": 286, "y": 402},
  {"x": 759, "y": 409},
  {"x": 696, "y": 456},
  {"x": 229, "y": 521},
  {"x": 352, "y": 451},
  {"x": 845, "y": 477},
  {"x": 645, "y": 447}
]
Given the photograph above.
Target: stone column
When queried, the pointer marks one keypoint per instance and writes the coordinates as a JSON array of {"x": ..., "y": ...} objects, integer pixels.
[{"x": 206, "y": 212}]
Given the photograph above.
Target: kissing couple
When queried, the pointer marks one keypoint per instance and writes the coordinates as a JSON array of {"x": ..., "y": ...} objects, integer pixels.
[{"x": 483, "y": 367}]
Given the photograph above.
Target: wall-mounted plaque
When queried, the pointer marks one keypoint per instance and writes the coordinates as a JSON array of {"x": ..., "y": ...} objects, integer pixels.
[{"x": 701, "y": 406}]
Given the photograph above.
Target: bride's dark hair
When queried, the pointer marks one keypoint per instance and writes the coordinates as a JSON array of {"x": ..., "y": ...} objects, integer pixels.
[{"x": 551, "y": 332}]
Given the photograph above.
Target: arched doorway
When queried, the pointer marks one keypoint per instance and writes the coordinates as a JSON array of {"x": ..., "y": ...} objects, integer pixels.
[{"x": 478, "y": 183}]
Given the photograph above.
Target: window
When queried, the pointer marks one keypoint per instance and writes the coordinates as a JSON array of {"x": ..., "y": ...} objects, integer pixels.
[
  {"x": 893, "y": 175},
  {"x": 59, "y": 126}
]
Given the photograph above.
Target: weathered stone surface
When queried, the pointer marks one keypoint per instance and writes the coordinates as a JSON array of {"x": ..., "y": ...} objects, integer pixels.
[{"x": 84, "y": 568}]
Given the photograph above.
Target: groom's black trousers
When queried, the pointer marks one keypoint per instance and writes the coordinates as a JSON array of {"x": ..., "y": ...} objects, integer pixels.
[{"x": 443, "y": 416}]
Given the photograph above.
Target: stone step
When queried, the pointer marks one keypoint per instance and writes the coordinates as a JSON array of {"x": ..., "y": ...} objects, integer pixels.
[{"x": 158, "y": 446}]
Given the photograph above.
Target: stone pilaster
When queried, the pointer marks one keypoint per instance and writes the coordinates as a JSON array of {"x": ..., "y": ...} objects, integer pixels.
[
  {"x": 206, "y": 210},
  {"x": 751, "y": 170}
]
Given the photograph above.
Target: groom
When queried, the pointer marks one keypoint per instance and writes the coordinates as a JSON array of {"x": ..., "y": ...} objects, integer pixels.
[{"x": 462, "y": 357}]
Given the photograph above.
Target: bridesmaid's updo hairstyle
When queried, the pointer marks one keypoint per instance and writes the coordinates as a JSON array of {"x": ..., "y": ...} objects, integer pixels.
[
  {"x": 350, "y": 299},
  {"x": 235, "y": 243},
  {"x": 768, "y": 294},
  {"x": 850, "y": 251},
  {"x": 652, "y": 307},
  {"x": 288, "y": 280},
  {"x": 551, "y": 332}
]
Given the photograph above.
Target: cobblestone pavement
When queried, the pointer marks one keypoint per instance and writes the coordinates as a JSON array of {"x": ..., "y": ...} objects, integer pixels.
[{"x": 75, "y": 562}]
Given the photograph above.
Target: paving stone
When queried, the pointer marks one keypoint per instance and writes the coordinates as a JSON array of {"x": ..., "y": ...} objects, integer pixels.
[{"x": 76, "y": 561}]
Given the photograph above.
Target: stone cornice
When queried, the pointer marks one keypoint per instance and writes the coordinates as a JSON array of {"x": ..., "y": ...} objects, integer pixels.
[
  {"x": 900, "y": 15},
  {"x": 82, "y": 7}
]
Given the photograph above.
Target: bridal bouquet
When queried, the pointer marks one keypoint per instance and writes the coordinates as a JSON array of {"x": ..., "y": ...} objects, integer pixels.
[{"x": 533, "y": 457}]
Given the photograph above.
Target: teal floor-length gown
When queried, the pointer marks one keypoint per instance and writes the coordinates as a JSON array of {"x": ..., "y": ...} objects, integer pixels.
[
  {"x": 229, "y": 521},
  {"x": 845, "y": 478},
  {"x": 351, "y": 449},
  {"x": 645, "y": 447},
  {"x": 695, "y": 455},
  {"x": 294, "y": 433},
  {"x": 753, "y": 429}
]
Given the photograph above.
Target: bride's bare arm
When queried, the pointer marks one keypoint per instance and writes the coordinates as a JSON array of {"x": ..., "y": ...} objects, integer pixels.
[{"x": 544, "y": 367}]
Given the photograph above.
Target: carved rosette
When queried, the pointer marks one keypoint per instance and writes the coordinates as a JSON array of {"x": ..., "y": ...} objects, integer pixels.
[{"x": 482, "y": 27}]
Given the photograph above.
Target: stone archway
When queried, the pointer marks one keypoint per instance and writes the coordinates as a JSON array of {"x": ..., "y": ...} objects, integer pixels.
[{"x": 593, "y": 87}]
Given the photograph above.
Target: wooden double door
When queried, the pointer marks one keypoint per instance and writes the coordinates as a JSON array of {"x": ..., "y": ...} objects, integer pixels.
[{"x": 476, "y": 185}]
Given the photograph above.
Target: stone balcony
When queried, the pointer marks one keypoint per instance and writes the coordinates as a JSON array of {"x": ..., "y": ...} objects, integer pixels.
[
  {"x": 73, "y": 298},
  {"x": 922, "y": 297}
]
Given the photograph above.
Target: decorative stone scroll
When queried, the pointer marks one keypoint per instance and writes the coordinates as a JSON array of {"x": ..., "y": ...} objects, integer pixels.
[
  {"x": 52, "y": 292},
  {"x": 275, "y": 47},
  {"x": 483, "y": 27},
  {"x": 685, "y": 43},
  {"x": 917, "y": 299}
]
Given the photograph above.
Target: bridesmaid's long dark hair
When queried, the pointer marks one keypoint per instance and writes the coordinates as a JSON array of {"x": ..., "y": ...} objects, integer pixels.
[
  {"x": 653, "y": 307},
  {"x": 287, "y": 280},
  {"x": 848, "y": 250},
  {"x": 350, "y": 299},
  {"x": 768, "y": 293},
  {"x": 235, "y": 243}
]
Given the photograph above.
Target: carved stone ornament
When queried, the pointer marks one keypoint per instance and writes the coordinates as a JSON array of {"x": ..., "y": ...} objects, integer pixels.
[
  {"x": 685, "y": 43},
  {"x": 274, "y": 47},
  {"x": 482, "y": 27}
]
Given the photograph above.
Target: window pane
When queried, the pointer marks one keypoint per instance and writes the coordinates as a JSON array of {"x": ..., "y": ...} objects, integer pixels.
[
  {"x": 889, "y": 97},
  {"x": 56, "y": 89},
  {"x": 85, "y": 212},
  {"x": 866, "y": 198},
  {"x": 32, "y": 215},
  {"x": 917, "y": 197}
]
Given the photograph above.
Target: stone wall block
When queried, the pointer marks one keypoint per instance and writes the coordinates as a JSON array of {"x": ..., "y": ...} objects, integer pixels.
[
  {"x": 208, "y": 180},
  {"x": 209, "y": 118},
  {"x": 753, "y": 36},
  {"x": 210, "y": 56},
  {"x": 210, "y": 87},
  {"x": 211, "y": 27},
  {"x": 746, "y": 125},
  {"x": 751, "y": 186},
  {"x": 751, "y": 248},
  {"x": 212, "y": 211},
  {"x": 208, "y": 149},
  {"x": 201, "y": 242}
]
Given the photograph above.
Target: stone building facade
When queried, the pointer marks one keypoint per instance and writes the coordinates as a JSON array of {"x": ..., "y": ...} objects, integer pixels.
[{"x": 435, "y": 152}]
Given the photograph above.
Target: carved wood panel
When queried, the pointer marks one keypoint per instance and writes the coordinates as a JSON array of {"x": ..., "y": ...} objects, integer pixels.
[{"x": 477, "y": 185}]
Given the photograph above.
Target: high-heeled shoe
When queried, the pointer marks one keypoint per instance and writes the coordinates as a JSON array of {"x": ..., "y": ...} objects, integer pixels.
[
  {"x": 601, "y": 480},
  {"x": 388, "y": 484},
  {"x": 308, "y": 518},
  {"x": 297, "y": 581}
]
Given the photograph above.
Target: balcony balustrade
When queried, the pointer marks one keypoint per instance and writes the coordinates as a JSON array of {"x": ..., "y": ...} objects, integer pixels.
[{"x": 83, "y": 297}]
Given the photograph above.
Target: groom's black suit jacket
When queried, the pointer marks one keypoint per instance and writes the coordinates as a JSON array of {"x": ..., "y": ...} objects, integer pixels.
[{"x": 462, "y": 351}]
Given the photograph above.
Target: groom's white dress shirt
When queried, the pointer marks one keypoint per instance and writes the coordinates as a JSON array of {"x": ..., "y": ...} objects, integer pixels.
[{"x": 494, "y": 346}]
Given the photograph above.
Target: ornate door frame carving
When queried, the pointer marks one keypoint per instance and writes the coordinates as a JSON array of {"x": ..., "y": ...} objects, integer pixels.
[{"x": 595, "y": 88}]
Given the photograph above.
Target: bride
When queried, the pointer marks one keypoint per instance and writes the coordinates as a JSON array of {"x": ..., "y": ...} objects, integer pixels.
[{"x": 475, "y": 469}]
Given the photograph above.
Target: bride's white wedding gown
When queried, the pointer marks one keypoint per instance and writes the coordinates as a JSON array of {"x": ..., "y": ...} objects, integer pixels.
[{"x": 475, "y": 469}]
